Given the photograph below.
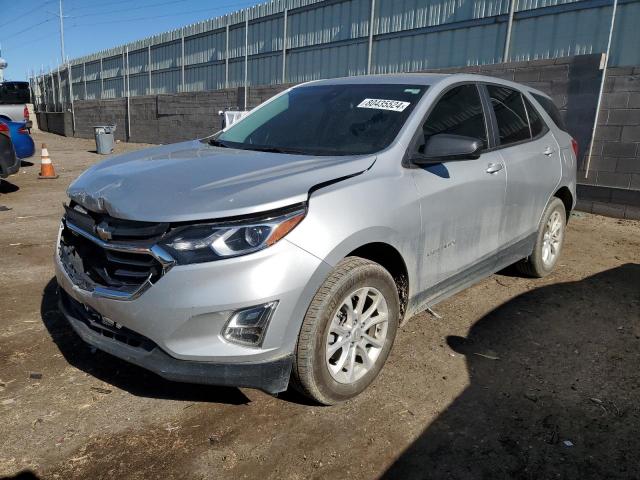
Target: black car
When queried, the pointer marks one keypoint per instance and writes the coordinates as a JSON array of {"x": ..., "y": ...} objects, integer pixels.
[
  {"x": 14, "y": 93},
  {"x": 9, "y": 162}
]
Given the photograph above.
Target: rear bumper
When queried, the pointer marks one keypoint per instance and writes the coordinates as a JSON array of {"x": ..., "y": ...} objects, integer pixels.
[
  {"x": 25, "y": 148},
  {"x": 269, "y": 376}
]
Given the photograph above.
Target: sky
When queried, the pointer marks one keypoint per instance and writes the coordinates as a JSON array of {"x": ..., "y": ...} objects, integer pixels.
[{"x": 30, "y": 29}]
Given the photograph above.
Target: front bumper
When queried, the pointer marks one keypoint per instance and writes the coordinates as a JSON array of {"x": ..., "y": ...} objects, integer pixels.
[
  {"x": 184, "y": 312},
  {"x": 270, "y": 376}
]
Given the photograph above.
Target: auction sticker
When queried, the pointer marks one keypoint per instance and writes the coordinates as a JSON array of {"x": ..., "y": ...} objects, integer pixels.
[{"x": 376, "y": 103}]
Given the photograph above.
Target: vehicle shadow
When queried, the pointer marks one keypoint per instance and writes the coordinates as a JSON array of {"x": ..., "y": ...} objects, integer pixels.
[
  {"x": 8, "y": 187},
  {"x": 24, "y": 475},
  {"x": 554, "y": 389},
  {"x": 116, "y": 372},
  {"x": 26, "y": 163}
]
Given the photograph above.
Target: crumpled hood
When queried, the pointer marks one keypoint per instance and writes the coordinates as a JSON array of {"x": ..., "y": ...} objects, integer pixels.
[{"x": 195, "y": 181}]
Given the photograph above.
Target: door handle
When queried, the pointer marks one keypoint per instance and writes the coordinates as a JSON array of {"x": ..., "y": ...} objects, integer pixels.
[
  {"x": 494, "y": 167},
  {"x": 548, "y": 151}
]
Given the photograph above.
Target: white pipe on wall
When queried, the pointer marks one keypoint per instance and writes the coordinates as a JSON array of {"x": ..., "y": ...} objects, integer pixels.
[{"x": 602, "y": 82}]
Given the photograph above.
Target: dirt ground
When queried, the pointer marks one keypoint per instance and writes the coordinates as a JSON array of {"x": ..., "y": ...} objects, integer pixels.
[{"x": 520, "y": 378}]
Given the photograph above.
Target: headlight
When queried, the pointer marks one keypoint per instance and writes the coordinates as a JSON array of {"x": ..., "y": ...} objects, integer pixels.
[{"x": 213, "y": 241}]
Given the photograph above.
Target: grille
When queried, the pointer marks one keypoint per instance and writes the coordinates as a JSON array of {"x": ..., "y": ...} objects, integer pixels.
[
  {"x": 90, "y": 264},
  {"x": 97, "y": 323},
  {"x": 124, "y": 230}
]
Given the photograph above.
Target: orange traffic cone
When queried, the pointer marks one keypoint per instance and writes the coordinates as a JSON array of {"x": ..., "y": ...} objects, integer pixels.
[{"x": 46, "y": 167}]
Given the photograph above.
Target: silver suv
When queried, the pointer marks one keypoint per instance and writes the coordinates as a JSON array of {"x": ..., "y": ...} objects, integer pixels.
[{"x": 291, "y": 245}]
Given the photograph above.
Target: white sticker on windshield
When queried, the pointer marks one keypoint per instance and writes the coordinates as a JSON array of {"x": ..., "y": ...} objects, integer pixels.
[{"x": 393, "y": 105}]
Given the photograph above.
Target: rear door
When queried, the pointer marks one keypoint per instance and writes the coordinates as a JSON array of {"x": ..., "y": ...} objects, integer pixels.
[
  {"x": 532, "y": 162},
  {"x": 461, "y": 201}
]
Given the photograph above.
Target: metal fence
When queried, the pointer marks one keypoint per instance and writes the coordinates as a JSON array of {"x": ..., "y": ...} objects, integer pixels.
[{"x": 291, "y": 41}]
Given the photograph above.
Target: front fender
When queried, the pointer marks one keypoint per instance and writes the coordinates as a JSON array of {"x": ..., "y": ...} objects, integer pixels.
[{"x": 361, "y": 210}]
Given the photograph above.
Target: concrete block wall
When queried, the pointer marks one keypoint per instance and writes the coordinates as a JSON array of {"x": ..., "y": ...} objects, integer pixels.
[
  {"x": 612, "y": 184},
  {"x": 258, "y": 95},
  {"x": 177, "y": 117},
  {"x": 42, "y": 121},
  {"x": 100, "y": 112},
  {"x": 60, "y": 123},
  {"x": 154, "y": 119}
]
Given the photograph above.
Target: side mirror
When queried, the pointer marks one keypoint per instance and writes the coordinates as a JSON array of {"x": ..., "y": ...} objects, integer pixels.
[{"x": 444, "y": 147}]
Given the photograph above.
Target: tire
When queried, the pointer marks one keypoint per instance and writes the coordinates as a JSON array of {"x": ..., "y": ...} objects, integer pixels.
[
  {"x": 320, "y": 375},
  {"x": 539, "y": 264}
]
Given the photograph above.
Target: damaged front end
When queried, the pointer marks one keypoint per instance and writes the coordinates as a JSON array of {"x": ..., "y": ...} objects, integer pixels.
[{"x": 122, "y": 265}]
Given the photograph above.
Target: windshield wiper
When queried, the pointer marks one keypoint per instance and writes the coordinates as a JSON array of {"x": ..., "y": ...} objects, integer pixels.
[
  {"x": 217, "y": 143},
  {"x": 259, "y": 148}
]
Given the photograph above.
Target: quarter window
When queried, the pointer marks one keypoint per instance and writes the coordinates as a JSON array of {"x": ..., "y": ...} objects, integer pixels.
[
  {"x": 459, "y": 112},
  {"x": 510, "y": 113},
  {"x": 551, "y": 110}
]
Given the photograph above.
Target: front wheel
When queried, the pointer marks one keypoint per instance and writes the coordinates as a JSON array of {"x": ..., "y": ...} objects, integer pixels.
[
  {"x": 549, "y": 241},
  {"x": 347, "y": 333}
]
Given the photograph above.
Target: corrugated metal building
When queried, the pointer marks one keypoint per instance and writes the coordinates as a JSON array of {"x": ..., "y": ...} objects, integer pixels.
[{"x": 290, "y": 41}]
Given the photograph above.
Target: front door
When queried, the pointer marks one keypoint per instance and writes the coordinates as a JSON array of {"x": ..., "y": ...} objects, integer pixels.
[{"x": 461, "y": 201}]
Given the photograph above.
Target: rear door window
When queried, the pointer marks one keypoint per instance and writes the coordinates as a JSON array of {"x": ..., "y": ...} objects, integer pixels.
[
  {"x": 458, "y": 112},
  {"x": 511, "y": 115}
]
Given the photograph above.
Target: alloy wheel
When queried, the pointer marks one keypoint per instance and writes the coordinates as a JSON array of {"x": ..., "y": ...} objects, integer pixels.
[
  {"x": 552, "y": 239},
  {"x": 357, "y": 335}
]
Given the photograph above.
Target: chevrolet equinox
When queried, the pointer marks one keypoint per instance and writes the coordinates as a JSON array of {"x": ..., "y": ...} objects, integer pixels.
[{"x": 290, "y": 246}]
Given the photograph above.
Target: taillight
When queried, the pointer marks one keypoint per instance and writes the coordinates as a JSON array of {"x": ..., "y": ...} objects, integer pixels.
[
  {"x": 574, "y": 145},
  {"x": 25, "y": 113},
  {"x": 23, "y": 130},
  {"x": 4, "y": 127}
]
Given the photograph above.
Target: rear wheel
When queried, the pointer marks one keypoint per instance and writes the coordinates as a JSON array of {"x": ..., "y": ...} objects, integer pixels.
[
  {"x": 549, "y": 241},
  {"x": 347, "y": 333}
]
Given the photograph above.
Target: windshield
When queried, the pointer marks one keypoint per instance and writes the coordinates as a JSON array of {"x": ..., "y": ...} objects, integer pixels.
[{"x": 326, "y": 120}]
